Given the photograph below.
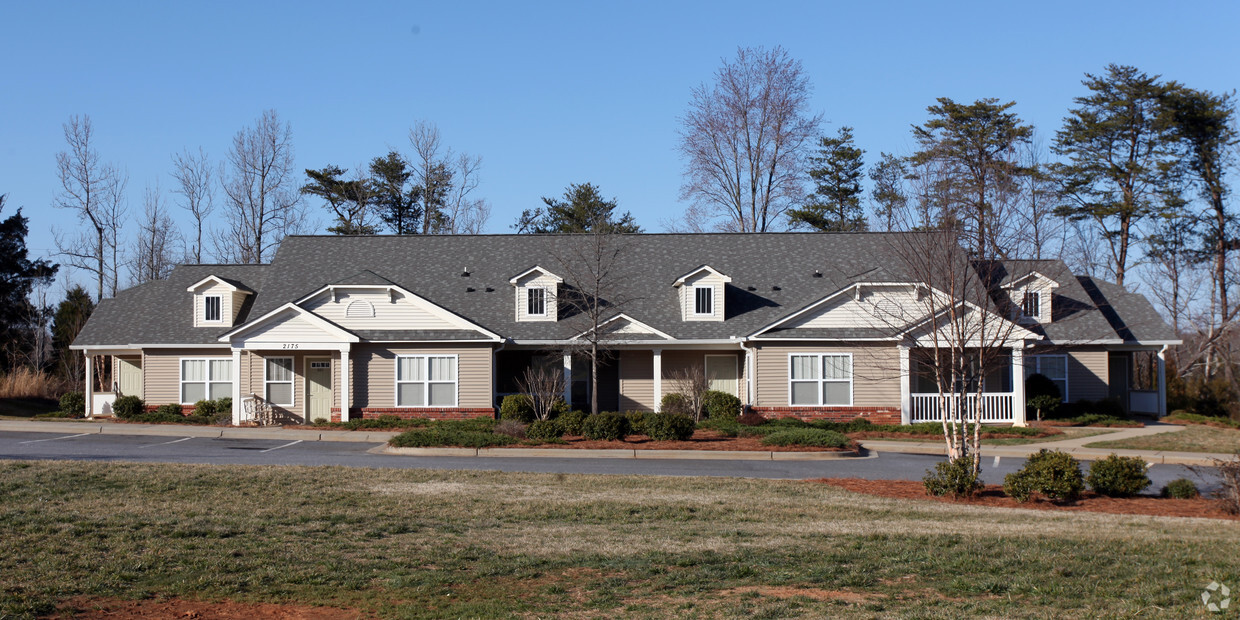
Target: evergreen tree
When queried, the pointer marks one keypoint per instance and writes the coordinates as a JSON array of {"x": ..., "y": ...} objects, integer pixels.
[
  {"x": 399, "y": 205},
  {"x": 18, "y": 277},
  {"x": 835, "y": 205},
  {"x": 583, "y": 209},
  {"x": 348, "y": 199},
  {"x": 888, "y": 195},
  {"x": 71, "y": 315}
]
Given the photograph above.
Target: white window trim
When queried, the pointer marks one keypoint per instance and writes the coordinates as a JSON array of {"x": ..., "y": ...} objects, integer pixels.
[
  {"x": 1036, "y": 316},
  {"x": 219, "y": 301},
  {"x": 426, "y": 396},
  {"x": 1035, "y": 362},
  {"x": 695, "y": 289},
  {"x": 292, "y": 381},
  {"x": 530, "y": 289},
  {"x": 851, "y": 374},
  {"x": 207, "y": 382}
]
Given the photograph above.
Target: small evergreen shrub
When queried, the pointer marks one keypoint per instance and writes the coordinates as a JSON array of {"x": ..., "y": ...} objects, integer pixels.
[
  {"x": 164, "y": 413},
  {"x": 637, "y": 422},
  {"x": 449, "y": 437},
  {"x": 480, "y": 425},
  {"x": 726, "y": 428},
  {"x": 1180, "y": 488},
  {"x": 572, "y": 421},
  {"x": 606, "y": 426},
  {"x": 224, "y": 404},
  {"x": 809, "y": 437},
  {"x": 204, "y": 408},
  {"x": 1043, "y": 405},
  {"x": 669, "y": 427},
  {"x": 1051, "y": 473},
  {"x": 1118, "y": 476},
  {"x": 519, "y": 407},
  {"x": 1040, "y": 385},
  {"x": 511, "y": 428},
  {"x": 320, "y": 421},
  {"x": 73, "y": 404},
  {"x": 751, "y": 419},
  {"x": 128, "y": 407},
  {"x": 675, "y": 403},
  {"x": 544, "y": 430},
  {"x": 954, "y": 478},
  {"x": 721, "y": 405},
  {"x": 789, "y": 423},
  {"x": 384, "y": 422}
]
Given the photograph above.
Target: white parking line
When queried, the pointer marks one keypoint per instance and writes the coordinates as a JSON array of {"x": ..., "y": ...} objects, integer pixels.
[
  {"x": 55, "y": 438},
  {"x": 291, "y": 443},
  {"x": 166, "y": 442}
]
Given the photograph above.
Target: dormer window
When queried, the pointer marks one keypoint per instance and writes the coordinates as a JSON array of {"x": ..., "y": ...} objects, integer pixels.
[
  {"x": 536, "y": 301},
  {"x": 536, "y": 291},
  {"x": 211, "y": 308},
  {"x": 703, "y": 300},
  {"x": 1031, "y": 307}
]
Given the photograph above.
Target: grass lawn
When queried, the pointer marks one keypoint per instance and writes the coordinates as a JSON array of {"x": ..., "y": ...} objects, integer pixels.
[
  {"x": 410, "y": 543},
  {"x": 1193, "y": 438}
]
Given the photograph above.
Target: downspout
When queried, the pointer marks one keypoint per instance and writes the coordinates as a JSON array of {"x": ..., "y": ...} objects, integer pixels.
[
  {"x": 495, "y": 374},
  {"x": 749, "y": 354}
]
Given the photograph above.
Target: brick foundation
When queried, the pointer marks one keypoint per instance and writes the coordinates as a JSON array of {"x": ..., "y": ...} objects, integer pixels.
[
  {"x": 876, "y": 415},
  {"x": 429, "y": 413}
]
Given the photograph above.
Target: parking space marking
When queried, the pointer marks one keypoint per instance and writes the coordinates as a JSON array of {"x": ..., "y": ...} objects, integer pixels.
[
  {"x": 291, "y": 443},
  {"x": 55, "y": 438},
  {"x": 166, "y": 442}
]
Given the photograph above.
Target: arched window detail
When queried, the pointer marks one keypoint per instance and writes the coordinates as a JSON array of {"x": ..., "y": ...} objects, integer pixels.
[{"x": 360, "y": 309}]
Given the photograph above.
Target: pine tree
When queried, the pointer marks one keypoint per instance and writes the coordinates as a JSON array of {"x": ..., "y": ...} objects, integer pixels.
[
  {"x": 835, "y": 205},
  {"x": 583, "y": 209}
]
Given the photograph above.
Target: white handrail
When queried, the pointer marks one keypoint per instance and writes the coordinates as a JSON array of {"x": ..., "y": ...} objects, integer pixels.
[{"x": 992, "y": 407}]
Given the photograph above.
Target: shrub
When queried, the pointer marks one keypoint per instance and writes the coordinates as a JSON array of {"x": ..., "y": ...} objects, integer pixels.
[
  {"x": 955, "y": 478},
  {"x": 675, "y": 403},
  {"x": 224, "y": 404},
  {"x": 606, "y": 426},
  {"x": 1051, "y": 473},
  {"x": 1118, "y": 476},
  {"x": 437, "y": 436},
  {"x": 1180, "y": 488},
  {"x": 1043, "y": 403},
  {"x": 1107, "y": 407},
  {"x": 810, "y": 437},
  {"x": 789, "y": 423},
  {"x": 544, "y": 430},
  {"x": 1229, "y": 490},
  {"x": 726, "y": 428},
  {"x": 320, "y": 421},
  {"x": 511, "y": 428},
  {"x": 1040, "y": 385},
  {"x": 384, "y": 422},
  {"x": 164, "y": 413},
  {"x": 637, "y": 422},
  {"x": 517, "y": 407},
  {"x": 204, "y": 408},
  {"x": 572, "y": 421},
  {"x": 128, "y": 407},
  {"x": 480, "y": 425},
  {"x": 721, "y": 405},
  {"x": 669, "y": 426},
  {"x": 73, "y": 404},
  {"x": 751, "y": 419},
  {"x": 1193, "y": 418},
  {"x": 855, "y": 426}
]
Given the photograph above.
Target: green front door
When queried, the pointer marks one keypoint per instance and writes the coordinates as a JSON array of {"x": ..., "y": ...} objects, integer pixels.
[{"x": 318, "y": 389}]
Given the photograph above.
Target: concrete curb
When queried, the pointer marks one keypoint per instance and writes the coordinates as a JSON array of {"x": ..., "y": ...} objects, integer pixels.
[
  {"x": 177, "y": 430},
  {"x": 567, "y": 453}
]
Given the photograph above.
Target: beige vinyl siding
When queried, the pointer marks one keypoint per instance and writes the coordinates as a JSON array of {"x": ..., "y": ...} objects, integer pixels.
[
  {"x": 536, "y": 279},
  {"x": 876, "y": 373},
  {"x": 878, "y": 308},
  {"x": 1088, "y": 374},
  {"x": 236, "y": 299},
  {"x": 374, "y": 374},
  {"x": 687, "y": 296},
  {"x": 637, "y": 381},
  {"x": 293, "y": 328},
  {"x": 161, "y": 372},
  {"x": 403, "y": 313}
]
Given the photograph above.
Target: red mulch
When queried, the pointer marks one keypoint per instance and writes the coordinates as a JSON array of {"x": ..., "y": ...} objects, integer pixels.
[
  {"x": 701, "y": 440},
  {"x": 99, "y": 608},
  {"x": 992, "y": 495}
]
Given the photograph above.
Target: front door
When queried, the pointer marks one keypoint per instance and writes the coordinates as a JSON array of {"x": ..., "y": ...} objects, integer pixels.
[
  {"x": 721, "y": 373},
  {"x": 129, "y": 376},
  {"x": 1117, "y": 379},
  {"x": 318, "y": 389}
]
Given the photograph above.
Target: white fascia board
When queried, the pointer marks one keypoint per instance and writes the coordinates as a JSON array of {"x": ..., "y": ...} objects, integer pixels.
[
  {"x": 517, "y": 278},
  {"x": 137, "y": 347},
  {"x": 320, "y": 322},
  {"x": 193, "y": 287},
  {"x": 619, "y": 344},
  {"x": 681, "y": 280},
  {"x": 426, "y": 304},
  {"x": 631, "y": 320},
  {"x": 804, "y": 339},
  {"x": 1014, "y": 283},
  {"x": 1145, "y": 344}
]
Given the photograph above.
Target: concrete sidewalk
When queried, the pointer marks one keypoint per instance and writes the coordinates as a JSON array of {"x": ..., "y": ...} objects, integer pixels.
[
  {"x": 1075, "y": 447},
  {"x": 184, "y": 430}
]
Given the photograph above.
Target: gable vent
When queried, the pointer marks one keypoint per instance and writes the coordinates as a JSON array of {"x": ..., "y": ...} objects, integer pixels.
[{"x": 360, "y": 309}]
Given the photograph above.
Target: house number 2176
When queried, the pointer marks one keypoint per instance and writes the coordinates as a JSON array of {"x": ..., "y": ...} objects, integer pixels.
[{"x": 289, "y": 346}]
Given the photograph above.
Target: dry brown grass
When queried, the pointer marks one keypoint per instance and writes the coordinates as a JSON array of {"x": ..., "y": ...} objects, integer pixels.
[{"x": 27, "y": 383}]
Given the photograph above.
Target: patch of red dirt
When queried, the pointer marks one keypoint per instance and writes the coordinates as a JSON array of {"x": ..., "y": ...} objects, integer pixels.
[
  {"x": 992, "y": 495},
  {"x": 92, "y": 608},
  {"x": 701, "y": 440}
]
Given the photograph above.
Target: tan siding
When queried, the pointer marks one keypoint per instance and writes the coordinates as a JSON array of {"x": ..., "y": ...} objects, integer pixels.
[
  {"x": 161, "y": 372},
  {"x": 238, "y": 298},
  {"x": 375, "y": 368},
  {"x": 1087, "y": 374},
  {"x": 878, "y": 309},
  {"x": 403, "y": 314},
  {"x": 876, "y": 373},
  {"x": 293, "y": 329},
  {"x": 637, "y": 381}
]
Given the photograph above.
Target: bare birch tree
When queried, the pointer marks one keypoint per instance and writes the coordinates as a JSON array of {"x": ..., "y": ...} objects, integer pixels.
[
  {"x": 445, "y": 183},
  {"x": 1041, "y": 233},
  {"x": 543, "y": 382},
  {"x": 95, "y": 191},
  {"x": 155, "y": 247},
  {"x": 745, "y": 139},
  {"x": 261, "y": 201},
  {"x": 192, "y": 172},
  {"x": 691, "y": 383}
]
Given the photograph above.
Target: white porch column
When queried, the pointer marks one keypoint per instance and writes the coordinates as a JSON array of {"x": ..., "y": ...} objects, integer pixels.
[
  {"x": 568, "y": 379},
  {"x": 1018, "y": 385},
  {"x": 345, "y": 382},
  {"x": 657, "y": 371},
  {"x": 236, "y": 387},
  {"x": 90, "y": 383},
  {"x": 906, "y": 398},
  {"x": 1162, "y": 381}
]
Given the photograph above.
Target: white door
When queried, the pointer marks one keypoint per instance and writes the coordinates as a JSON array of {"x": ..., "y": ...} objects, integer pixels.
[
  {"x": 318, "y": 389},
  {"x": 721, "y": 373},
  {"x": 129, "y": 376}
]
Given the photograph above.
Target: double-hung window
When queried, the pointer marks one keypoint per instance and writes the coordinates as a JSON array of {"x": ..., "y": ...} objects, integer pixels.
[
  {"x": 1032, "y": 305},
  {"x": 1053, "y": 367},
  {"x": 205, "y": 379},
  {"x": 278, "y": 380},
  {"x": 536, "y": 301},
  {"x": 820, "y": 379},
  {"x": 211, "y": 308},
  {"x": 703, "y": 300},
  {"x": 426, "y": 381}
]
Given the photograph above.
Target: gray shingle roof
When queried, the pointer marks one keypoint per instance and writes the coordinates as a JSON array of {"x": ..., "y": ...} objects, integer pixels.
[{"x": 1131, "y": 315}]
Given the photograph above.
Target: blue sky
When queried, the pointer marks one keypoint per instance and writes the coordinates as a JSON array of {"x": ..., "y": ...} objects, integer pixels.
[{"x": 547, "y": 93}]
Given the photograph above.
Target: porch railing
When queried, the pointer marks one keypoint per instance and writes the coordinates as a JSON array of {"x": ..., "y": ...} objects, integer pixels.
[{"x": 993, "y": 407}]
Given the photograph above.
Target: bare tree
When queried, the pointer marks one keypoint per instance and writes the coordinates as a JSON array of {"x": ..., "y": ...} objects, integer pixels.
[
  {"x": 745, "y": 139},
  {"x": 156, "y": 245},
  {"x": 1041, "y": 233},
  {"x": 543, "y": 382},
  {"x": 194, "y": 183},
  {"x": 466, "y": 215},
  {"x": 261, "y": 201},
  {"x": 445, "y": 183},
  {"x": 691, "y": 383},
  {"x": 96, "y": 192}
]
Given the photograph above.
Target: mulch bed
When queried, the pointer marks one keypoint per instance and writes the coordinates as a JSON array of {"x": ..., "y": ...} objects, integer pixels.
[
  {"x": 992, "y": 496},
  {"x": 701, "y": 440},
  {"x": 1047, "y": 432},
  {"x": 99, "y": 608},
  {"x": 1067, "y": 423}
]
